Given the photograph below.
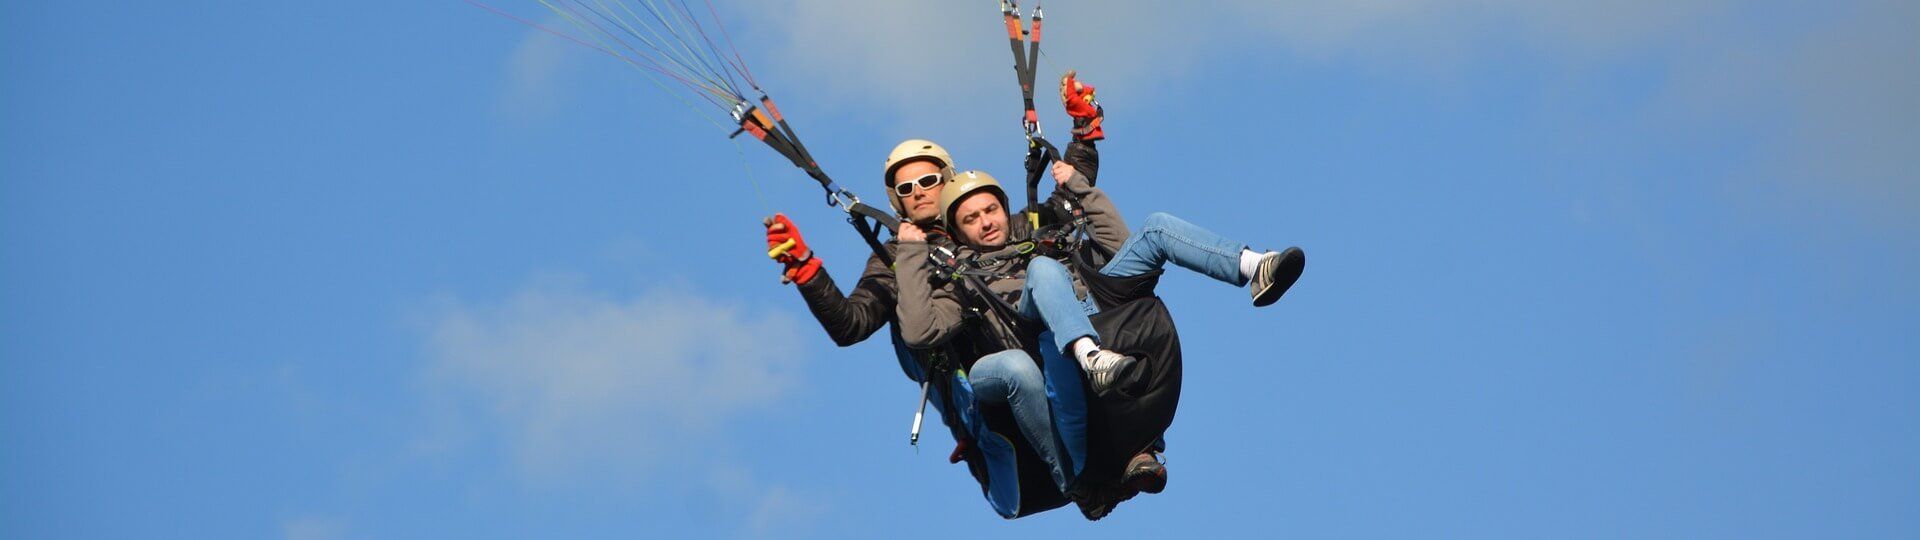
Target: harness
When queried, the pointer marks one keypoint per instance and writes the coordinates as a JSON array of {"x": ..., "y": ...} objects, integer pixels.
[{"x": 971, "y": 273}]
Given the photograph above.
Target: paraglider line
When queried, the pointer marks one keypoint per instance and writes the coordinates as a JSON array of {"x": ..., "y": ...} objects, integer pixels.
[
  {"x": 680, "y": 37},
  {"x": 741, "y": 62},
  {"x": 563, "y": 35},
  {"x": 591, "y": 27},
  {"x": 682, "y": 6},
  {"x": 628, "y": 29}
]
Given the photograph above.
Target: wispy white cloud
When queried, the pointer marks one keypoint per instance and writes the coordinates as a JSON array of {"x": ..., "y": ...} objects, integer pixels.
[
  {"x": 781, "y": 510},
  {"x": 901, "y": 57},
  {"x": 313, "y": 528},
  {"x": 534, "y": 86},
  {"x": 1834, "y": 110},
  {"x": 1826, "y": 91},
  {"x": 771, "y": 510},
  {"x": 909, "y": 54},
  {"x": 581, "y": 386},
  {"x": 1425, "y": 26},
  {"x": 1836, "y": 84}
]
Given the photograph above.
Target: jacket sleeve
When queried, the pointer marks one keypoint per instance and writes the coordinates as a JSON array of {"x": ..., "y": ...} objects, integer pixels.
[
  {"x": 852, "y": 318},
  {"x": 929, "y": 315},
  {"x": 1084, "y": 157},
  {"x": 1109, "y": 230}
]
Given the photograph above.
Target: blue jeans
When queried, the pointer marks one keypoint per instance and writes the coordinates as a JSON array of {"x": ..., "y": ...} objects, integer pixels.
[
  {"x": 1048, "y": 294},
  {"x": 1165, "y": 239},
  {"x": 1048, "y": 297},
  {"x": 1011, "y": 378},
  {"x": 998, "y": 452}
]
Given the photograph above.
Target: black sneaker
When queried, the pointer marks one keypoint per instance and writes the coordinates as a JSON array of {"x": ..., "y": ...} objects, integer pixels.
[
  {"x": 1276, "y": 274},
  {"x": 1146, "y": 473}
]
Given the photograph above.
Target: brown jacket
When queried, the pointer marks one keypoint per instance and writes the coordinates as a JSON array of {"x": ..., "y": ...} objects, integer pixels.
[{"x": 932, "y": 310}]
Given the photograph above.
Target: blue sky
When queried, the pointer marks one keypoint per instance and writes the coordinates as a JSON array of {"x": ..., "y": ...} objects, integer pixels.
[{"x": 402, "y": 270}]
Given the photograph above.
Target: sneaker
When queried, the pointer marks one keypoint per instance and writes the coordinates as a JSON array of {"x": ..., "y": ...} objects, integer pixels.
[
  {"x": 1103, "y": 367},
  {"x": 1276, "y": 274},
  {"x": 1145, "y": 473}
]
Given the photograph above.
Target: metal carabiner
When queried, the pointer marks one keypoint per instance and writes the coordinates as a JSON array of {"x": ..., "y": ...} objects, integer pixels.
[{"x": 843, "y": 199}]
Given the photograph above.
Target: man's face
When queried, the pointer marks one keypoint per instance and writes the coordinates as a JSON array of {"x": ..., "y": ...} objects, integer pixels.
[
  {"x": 922, "y": 204},
  {"x": 981, "y": 220}
]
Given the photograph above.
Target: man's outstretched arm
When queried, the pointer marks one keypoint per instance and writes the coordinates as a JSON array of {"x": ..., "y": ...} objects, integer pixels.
[{"x": 848, "y": 319}]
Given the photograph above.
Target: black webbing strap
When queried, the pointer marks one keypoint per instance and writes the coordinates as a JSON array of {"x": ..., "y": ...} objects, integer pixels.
[
  {"x": 1009, "y": 317},
  {"x": 980, "y": 261},
  {"x": 1040, "y": 154},
  {"x": 1026, "y": 64},
  {"x": 858, "y": 213},
  {"x": 968, "y": 276}
]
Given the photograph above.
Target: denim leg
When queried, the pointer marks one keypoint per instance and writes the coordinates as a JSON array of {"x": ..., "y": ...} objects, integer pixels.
[
  {"x": 1001, "y": 460},
  {"x": 1012, "y": 378},
  {"x": 1048, "y": 296},
  {"x": 1166, "y": 238},
  {"x": 1069, "y": 400}
]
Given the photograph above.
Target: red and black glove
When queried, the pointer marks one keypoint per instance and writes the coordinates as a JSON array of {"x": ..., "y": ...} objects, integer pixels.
[
  {"x": 785, "y": 245},
  {"x": 1083, "y": 108}
]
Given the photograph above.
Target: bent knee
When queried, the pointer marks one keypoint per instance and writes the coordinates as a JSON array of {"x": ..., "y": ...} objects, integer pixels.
[
  {"x": 1011, "y": 364},
  {"x": 1160, "y": 220},
  {"x": 1042, "y": 268}
]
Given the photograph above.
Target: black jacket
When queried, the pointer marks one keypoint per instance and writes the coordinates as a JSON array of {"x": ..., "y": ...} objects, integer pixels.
[{"x": 852, "y": 318}]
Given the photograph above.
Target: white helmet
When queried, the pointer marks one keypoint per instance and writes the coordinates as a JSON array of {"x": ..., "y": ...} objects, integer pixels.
[{"x": 909, "y": 151}]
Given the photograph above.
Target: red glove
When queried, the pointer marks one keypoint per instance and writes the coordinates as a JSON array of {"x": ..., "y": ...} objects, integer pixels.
[
  {"x": 1081, "y": 105},
  {"x": 785, "y": 245}
]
